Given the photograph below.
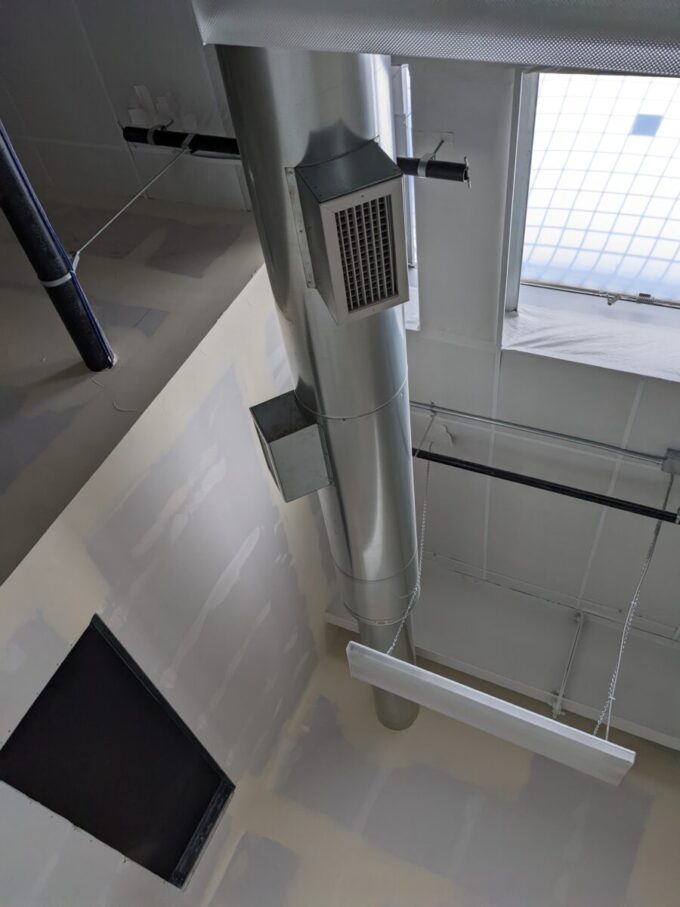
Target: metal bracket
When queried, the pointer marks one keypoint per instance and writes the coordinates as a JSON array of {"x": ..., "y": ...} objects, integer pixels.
[
  {"x": 671, "y": 462},
  {"x": 291, "y": 182},
  {"x": 559, "y": 694}
]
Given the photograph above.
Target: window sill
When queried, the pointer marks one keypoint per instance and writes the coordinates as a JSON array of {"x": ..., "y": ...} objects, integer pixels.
[{"x": 627, "y": 337}]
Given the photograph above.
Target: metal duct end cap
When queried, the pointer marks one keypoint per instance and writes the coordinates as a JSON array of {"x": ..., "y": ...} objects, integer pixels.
[
  {"x": 293, "y": 446},
  {"x": 353, "y": 213}
]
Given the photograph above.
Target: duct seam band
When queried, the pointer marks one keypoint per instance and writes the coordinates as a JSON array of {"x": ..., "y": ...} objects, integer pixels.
[
  {"x": 375, "y": 622},
  {"x": 379, "y": 579},
  {"x": 327, "y": 418}
]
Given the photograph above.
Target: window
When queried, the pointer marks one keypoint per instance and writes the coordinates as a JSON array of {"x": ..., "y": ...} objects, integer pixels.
[
  {"x": 601, "y": 232},
  {"x": 403, "y": 134},
  {"x": 604, "y": 200}
]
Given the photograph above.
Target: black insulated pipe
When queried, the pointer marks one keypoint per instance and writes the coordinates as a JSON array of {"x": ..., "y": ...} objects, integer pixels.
[
  {"x": 220, "y": 145},
  {"x": 434, "y": 169},
  {"x": 665, "y": 516},
  {"x": 49, "y": 259},
  {"x": 166, "y": 138}
]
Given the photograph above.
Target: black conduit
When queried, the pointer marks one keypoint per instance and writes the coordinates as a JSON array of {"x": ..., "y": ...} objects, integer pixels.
[
  {"x": 49, "y": 259},
  {"x": 434, "y": 169},
  {"x": 166, "y": 138},
  {"x": 666, "y": 516},
  {"x": 219, "y": 145}
]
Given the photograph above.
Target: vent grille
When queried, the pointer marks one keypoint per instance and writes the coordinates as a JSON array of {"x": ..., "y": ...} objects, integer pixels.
[{"x": 366, "y": 237}]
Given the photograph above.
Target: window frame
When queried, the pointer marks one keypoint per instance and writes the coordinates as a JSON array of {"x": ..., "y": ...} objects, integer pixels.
[
  {"x": 525, "y": 96},
  {"x": 402, "y": 111}
]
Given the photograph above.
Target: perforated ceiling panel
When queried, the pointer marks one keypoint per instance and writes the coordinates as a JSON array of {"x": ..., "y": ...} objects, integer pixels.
[{"x": 637, "y": 36}]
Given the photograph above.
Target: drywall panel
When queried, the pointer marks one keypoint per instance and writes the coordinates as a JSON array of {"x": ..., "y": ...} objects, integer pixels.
[
  {"x": 622, "y": 549},
  {"x": 50, "y": 76},
  {"x": 450, "y": 373},
  {"x": 648, "y": 680},
  {"x": 76, "y": 71},
  {"x": 216, "y": 589},
  {"x": 492, "y": 627},
  {"x": 460, "y": 229},
  {"x": 535, "y": 535},
  {"x": 452, "y": 492},
  {"x": 657, "y": 421},
  {"x": 204, "y": 181},
  {"x": 158, "y": 279},
  {"x": 9, "y": 114},
  {"x": 87, "y": 168},
  {"x": 156, "y": 46},
  {"x": 518, "y": 635},
  {"x": 29, "y": 156},
  {"x": 440, "y": 814},
  {"x": 258, "y": 874},
  {"x": 565, "y": 396}
]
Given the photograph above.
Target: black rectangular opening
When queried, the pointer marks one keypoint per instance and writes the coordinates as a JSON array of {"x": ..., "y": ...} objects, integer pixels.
[{"x": 101, "y": 747}]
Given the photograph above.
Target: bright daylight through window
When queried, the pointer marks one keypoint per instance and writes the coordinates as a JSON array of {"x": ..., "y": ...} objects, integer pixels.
[{"x": 601, "y": 260}]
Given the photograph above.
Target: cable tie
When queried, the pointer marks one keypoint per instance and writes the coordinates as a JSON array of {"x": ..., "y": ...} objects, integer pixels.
[{"x": 59, "y": 281}]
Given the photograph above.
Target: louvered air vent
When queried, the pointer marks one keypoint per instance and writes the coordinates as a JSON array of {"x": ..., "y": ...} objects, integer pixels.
[
  {"x": 353, "y": 213},
  {"x": 366, "y": 250}
]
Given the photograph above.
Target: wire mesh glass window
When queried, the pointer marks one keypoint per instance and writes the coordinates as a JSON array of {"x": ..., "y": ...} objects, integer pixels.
[{"x": 603, "y": 211}]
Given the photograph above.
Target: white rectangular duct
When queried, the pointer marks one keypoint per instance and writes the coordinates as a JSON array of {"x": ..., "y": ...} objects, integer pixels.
[{"x": 570, "y": 746}]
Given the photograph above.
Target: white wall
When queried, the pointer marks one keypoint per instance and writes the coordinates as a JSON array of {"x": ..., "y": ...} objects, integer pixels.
[
  {"x": 67, "y": 76},
  {"x": 349, "y": 813},
  {"x": 525, "y": 546},
  {"x": 180, "y": 542}
]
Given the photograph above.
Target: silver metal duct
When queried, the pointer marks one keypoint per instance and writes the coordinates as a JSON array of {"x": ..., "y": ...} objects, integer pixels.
[{"x": 291, "y": 108}]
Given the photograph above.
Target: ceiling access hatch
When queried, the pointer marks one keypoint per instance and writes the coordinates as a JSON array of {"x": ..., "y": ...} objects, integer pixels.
[{"x": 101, "y": 747}]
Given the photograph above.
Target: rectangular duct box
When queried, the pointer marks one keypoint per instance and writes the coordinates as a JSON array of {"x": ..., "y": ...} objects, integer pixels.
[
  {"x": 353, "y": 213},
  {"x": 293, "y": 446}
]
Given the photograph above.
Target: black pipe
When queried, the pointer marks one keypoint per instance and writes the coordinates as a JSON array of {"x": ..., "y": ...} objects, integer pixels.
[
  {"x": 218, "y": 144},
  {"x": 665, "y": 516},
  {"x": 166, "y": 138},
  {"x": 49, "y": 259},
  {"x": 434, "y": 169}
]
